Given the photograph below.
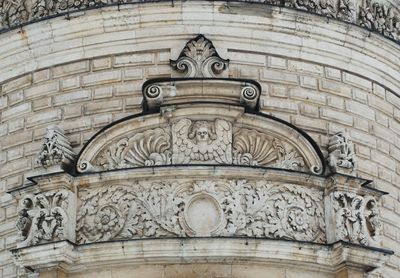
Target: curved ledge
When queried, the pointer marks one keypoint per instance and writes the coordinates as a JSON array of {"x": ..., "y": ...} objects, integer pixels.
[
  {"x": 72, "y": 258},
  {"x": 372, "y": 15}
]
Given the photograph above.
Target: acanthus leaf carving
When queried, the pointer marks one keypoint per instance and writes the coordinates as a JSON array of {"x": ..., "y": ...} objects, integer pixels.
[
  {"x": 201, "y": 208},
  {"x": 56, "y": 149},
  {"x": 357, "y": 218},
  {"x": 43, "y": 217},
  {"x": 199, "y": 58}
]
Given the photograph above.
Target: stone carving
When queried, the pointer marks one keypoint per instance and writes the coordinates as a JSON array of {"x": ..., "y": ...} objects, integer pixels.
[
  {"x": 249, "y": 96},
  {"x": 340, "y": 9},
  {"x": 13, "y": 12},
  {"x": 199, "y": 59},
  {"x": 202, "y": 208},
  {"x": 341, "y": 152},
  {"x": 202, "y": 142},
  {"x": 148, "y": 148},
  {"x": 357, "y": 218},
  {"x": 378, "y": 17},
  {"x": 56, "y": 149},
  {"x": 153, "y": 96},
  {"x": 251, "y": 147},
  {"x": 42, "y": 217}
]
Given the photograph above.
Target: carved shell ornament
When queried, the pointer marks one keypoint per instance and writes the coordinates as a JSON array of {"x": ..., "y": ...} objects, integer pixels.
[{"x": 199, "y": 58}]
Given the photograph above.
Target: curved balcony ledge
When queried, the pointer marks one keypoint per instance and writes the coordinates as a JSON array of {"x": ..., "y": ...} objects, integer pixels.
[
  {"x": 72, "y": 258},
  {"x": 376, "y": 16}
]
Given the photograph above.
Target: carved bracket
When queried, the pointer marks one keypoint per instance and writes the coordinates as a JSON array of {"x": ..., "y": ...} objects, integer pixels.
[{"x": 341, "y": 153}]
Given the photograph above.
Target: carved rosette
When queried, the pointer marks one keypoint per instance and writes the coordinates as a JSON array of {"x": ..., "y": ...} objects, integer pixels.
[
  {"x": 199, "y": 58},
  {"x": 341, "y": 152},
  {"x": 356, "y": 218},
  {"x": 201, "y": 208},
  {"x": 45, "y": 217},
  {"x": 56, "y": 149}
]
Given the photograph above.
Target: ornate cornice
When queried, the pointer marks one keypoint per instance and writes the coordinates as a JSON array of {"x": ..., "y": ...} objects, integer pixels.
[{"x": 383, "y": 18}]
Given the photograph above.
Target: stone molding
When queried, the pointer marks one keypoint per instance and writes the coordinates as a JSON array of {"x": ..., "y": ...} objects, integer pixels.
[
  {"x": 194, "y": 135},
  {"x": 374, "y": 15}
]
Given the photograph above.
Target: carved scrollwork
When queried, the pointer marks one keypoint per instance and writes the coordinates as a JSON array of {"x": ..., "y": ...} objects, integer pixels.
[
  {"x": 201, "y": 208},
  {"x": 148, "y": 148},
  {"x": 251, "y": 147},
  {"x": 199, "y": 59},
  {"x": 357, "y": 218},
  {"x": 42, "y": 217},
  {"x": 341, "y": 152},
  {"x": 202, "y": 141}
]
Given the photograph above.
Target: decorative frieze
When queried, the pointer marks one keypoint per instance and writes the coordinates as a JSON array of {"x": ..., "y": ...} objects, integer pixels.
[
  {"x": 56, "y": 149},
  {"x": 201, "y": 208},
  {"x": 199, "y": 57}
]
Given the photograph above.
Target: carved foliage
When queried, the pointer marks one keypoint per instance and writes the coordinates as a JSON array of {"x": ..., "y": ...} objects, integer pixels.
[
  {"x": 341, "y": 151},
  {"x": 199, "y": 59},
  {"x": 56, "y": 148},
  {"x": 357, "y": 218},
  {"x": 148, "y": 148},
  {"x": 204, "y": 208},
  {"x": 42, "y": 217},
  {"x": 340, "y": 9},
  {"x": 251, "y": 147},
  {"x": 377, "y": 16}
]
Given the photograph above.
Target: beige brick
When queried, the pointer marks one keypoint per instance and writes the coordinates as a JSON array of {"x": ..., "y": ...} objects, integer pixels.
[
  {"x": 3, "y": 130},
  {"x": 378, "y": 90},
  {"x": 360, "y": 95},
  {"x": 134, "y": 59},
  {"x": 129, "y": 89},
  {"x": 368, "y": 167},
  {"x": 15, "y": 153},
  {"x": 41, "y": 90},
  {"x": 102, "y": 63},
  {"x": 15, "y": 166},
  {"x": 18, "y": 83},
  {"x": 16, "y": 125},
  {"x": 279, "y": 91},
  {"x": 281, "y": 77},
  {"x": 305, "y": 67},
  {"x": 103, "y": 92},
  {"x": 361, "y": 124},
  {"x": 277, "y": 63},
  {"x": 336, "y": 116},
  {"x": 163, "y": 57},
  {"x": 382, "y": 119},
  {"x": 71, "y": 97},
  {"x": 3, "y": 102},
  {"x": 72, "y": 111},
  {"x": 393, "y": 99},
  {"x": 104, "y": 106},
  {"x": 41, "y": 103},
  {"x": 17, "y": 139},
  {"x": 335, "y": 88},
  {"x": 310, "y": 124},
  {"x": 280, "y": 105},
  {"x": 307, "y": 95},
  {"x": 244, "y": 58},
  {"x": 309, "y": 110},
  {"x": 336, "y": 102},
  {"x": 360, "y": 109},
  {"x": 363, "y": 151},
  {"x": 363, "y": 138},
  {"x": 70, "y": 83},
  {"x": 394, "y": 125},
  {"x": 133, "y": 74},
  {"x": 357, "y": 81},
  {"x": 251, "y": 73},
  {"x": 101, "y": 120},
  {"x": 33, "y": 148},
  {"x": 309, "y": 82},
  {"x": 78, "y": 124},
  {"x": 380, "y": 104},
  {"x": 383, "y": 146},
  {"x": 160, "y": 71},
  {"x": 72, "y": 68},
  {"x": 16, "y": 111},
  {"x": 332, "y": 73},
  {"x": 101, "y": 78},
  {"x": 15, "y": 97},
  {"x": 42, "y": 75},
  {"x": 133, "y": 101},
  {"x": 383, "y": 159},
  {"x": 43, "y": 117}
]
